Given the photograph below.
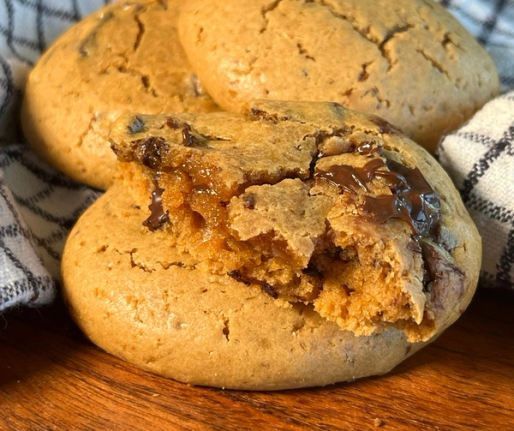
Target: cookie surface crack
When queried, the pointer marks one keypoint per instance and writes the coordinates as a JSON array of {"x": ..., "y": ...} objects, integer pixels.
[
  {"x": 265, "y": 11},
  {"x": 141, "y": 31},
  {"x": 145, "y": 79},
  {"x": 85, "y": 46},
  {"x": 390, "y": 36},
  {"x": 87, "y": 131},
  {"x": 303, "y": 52},
  {"x": 434, "y": 62}
]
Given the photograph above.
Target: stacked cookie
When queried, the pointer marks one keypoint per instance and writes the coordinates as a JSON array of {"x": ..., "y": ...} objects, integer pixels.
[{"x": 245, "y": 249}]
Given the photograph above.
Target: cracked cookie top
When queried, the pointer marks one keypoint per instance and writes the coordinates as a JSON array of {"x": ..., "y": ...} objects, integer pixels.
[
  {"x": 313, "y": 204},
  {"x": 408, "y": 61},
  {"x": 124, "y": 58}
]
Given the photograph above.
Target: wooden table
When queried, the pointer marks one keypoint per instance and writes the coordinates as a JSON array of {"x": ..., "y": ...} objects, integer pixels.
[{"x": 52, "y": 378}]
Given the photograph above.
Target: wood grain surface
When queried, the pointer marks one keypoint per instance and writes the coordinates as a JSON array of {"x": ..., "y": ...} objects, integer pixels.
[{"x": 52, "y": 378}]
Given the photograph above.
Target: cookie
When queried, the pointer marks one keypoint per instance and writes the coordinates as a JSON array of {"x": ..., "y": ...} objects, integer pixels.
[
  {"x": 409, "y": 62},
  {"x": 296, "y": 244},
  {"x": 124, "y": 58},
  {"x": 141, "y": 299}
]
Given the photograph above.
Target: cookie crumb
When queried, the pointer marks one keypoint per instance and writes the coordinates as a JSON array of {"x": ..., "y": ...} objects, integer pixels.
[{"x": 378, "y": 422}]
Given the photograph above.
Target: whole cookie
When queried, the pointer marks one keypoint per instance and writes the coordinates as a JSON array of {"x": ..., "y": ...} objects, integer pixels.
[
  {"x": 296, "y": 244},
  {"x": 408, "y": 61},
  {"x": 124, "y": 58}
]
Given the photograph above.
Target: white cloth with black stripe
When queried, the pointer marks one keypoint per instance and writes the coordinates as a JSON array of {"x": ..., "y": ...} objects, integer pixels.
[{"x": 38, "y": 205}]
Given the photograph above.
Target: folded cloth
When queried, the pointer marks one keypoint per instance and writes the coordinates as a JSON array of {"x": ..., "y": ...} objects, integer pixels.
[
  {"x": 480, "y": 159},
  {"x": 38, "y": 206}
]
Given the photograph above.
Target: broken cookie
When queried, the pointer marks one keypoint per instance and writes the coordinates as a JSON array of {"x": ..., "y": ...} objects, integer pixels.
[{"x": 314, "y": 212}]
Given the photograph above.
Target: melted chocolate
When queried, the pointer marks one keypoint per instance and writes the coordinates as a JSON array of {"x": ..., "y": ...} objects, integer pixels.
[
  {"x": 351, "y": 179},
  {"x": 172, "y": 123},
  {"x": 437, "y": 267},
  {"x": 188, "y": 140},
  {"x": 413, "y": 199},
  {"x": 157, "y": 215},
  {"x": 151, "y": 152}
]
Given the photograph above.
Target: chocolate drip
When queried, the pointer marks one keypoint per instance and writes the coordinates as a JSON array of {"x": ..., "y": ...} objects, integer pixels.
[
  {"x": 157, "y": 215},
  {"x": 413, "y": 199}
]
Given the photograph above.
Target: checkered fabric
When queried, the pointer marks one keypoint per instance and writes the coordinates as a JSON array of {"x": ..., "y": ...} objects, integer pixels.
[
  {"x": 480, "y": 159},
  {"x": 38, "y": 206},
  {"x": 492, "y": 23}
]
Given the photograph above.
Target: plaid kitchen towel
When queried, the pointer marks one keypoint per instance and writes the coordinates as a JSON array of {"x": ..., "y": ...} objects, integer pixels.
[{"x": 38, "y": 205}]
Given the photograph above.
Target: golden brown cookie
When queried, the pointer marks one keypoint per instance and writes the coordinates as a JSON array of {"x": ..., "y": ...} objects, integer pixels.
[
  {"x": 124, "y": 58},
  {"x": 408, "y": 61},
  {"x": 141, "y": 299},
  {"x": 296, "y": 244}
]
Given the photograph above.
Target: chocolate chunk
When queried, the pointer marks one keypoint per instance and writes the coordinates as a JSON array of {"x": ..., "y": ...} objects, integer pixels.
[
  {"x": 236, "y": 275},
  {"x": 436, "y": 265},
  {"x": 363, "y": 75},
  {"x": 151, "y": 152},
  {"x": 172, "y": 123},
  {"x": 312, "y": 271},
  {"x": 188, "y": 139},
  {"x": 413, "y": 199},
  {"x": 351, "y": 179},
  {"x": 257, "y": 114},
  {"x": 136, "y": 126},
  {"x": 417, "y": 195},
  {"x": 157, "y": 216},
  {"x": 268, "y": 288},
  {"x": 385, "y": 127},
  {"x": 249, "y": 201}
]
